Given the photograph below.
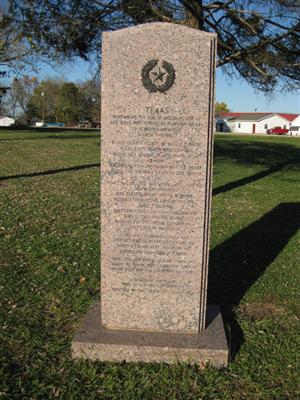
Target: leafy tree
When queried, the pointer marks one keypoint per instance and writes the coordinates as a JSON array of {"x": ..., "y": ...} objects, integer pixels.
[
  {"x": 69, "y": 103},
  {"x": 221, "y": 107},
  {"x": 20, "y": 95},
  {"x": 60, "y": 101},
  {"x": 258, "y": 40},
  {"x": 44, "y": 100},
  {"x": 90, "y": 100},
  {"x": 16, "y": 48},
  {"x": 56, "y": 101},
  {"x": 17, "y": 53}
]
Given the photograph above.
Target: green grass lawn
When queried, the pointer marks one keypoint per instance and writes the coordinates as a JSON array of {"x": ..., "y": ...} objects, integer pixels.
[{"x": 49, "y": 259}]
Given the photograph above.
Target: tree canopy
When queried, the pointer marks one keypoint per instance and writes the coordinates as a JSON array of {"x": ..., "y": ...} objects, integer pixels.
[
  {"x": 16, "y": 50},
  {"x": 221, "y": 107},
  {"x": 16, "y": 54},
  {"x": 258, "y": 40}
]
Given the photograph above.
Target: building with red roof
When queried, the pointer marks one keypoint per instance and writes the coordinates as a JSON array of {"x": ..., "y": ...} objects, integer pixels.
[{"x": 254, "y": 122}]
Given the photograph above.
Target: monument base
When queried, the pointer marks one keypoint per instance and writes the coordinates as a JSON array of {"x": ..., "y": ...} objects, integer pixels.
[{"x": 97, "y": 343}]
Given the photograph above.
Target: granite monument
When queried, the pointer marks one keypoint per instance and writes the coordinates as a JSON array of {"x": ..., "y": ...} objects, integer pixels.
[{"x": 157, "y": 124}]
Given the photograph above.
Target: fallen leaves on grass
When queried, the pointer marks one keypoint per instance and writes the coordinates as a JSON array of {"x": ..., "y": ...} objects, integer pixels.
[{"x": 257, "y": 311}]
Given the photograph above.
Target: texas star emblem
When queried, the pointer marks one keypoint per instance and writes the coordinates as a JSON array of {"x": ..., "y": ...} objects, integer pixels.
[{"x": 158, "y": 76}]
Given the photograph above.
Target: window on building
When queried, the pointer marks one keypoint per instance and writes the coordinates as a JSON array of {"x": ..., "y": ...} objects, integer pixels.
[
  {"x": 266, "y": 126},
  {"x": 239, "y": 125}
]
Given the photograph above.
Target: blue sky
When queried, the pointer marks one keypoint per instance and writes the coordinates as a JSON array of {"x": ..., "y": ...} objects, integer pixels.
[{"x": 237, "y": 94}]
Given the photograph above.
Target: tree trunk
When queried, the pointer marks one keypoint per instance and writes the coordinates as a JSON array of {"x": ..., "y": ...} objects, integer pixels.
[{"x": 194, "y": 14}]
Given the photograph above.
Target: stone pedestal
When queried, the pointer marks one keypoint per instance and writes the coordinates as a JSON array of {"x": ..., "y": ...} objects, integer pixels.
[{"x": 94, "y": 342}]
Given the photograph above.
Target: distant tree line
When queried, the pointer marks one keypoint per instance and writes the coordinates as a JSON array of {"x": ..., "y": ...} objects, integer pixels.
[
  {"x": 51, "y": 100},
  {"x": 30, "y": 100}
]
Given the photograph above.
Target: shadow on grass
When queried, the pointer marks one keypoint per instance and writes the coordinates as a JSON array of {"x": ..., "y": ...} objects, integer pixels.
[
  {"x": 236, "y": 264},
  {"x": 48, "y": 172},
  {"x": 276, "y": 156},
  {"x": 252, "y": 151},
  {"x": 244, "y": 181}
]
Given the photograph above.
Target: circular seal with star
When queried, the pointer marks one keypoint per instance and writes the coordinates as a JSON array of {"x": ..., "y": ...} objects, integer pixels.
[{"x": 158, "y": 76}]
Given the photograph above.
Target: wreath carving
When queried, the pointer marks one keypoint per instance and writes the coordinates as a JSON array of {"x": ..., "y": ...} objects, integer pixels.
[{"x": 152, "y": 85}]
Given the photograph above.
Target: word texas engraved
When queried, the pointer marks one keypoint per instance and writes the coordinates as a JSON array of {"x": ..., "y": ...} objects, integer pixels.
[{"x": 158, "y": 76}]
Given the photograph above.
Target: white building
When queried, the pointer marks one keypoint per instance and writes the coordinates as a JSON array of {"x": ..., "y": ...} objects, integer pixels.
[
  {"x": 6, "y": 121},
  {"x": 254, "y": 122},
  {"x": 39, "y": 123},
  {"x": 296, "y": 121}
]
